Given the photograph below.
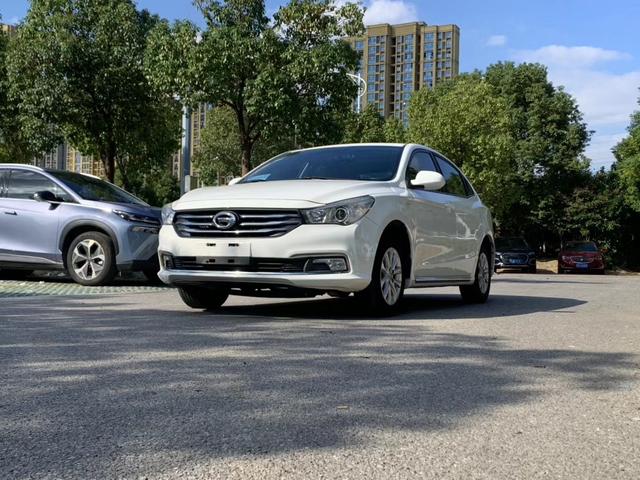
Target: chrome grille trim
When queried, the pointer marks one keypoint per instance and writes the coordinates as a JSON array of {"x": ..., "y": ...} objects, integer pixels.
[{"x": 251, "y": 223}]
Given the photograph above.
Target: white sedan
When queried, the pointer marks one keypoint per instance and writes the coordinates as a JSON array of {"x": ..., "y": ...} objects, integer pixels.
[{"x": 367, "y": 219}]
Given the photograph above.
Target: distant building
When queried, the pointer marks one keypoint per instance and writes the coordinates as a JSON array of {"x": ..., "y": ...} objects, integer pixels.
[
  {"x": 8, "y": 29},
  {"x": 397, "y": 60},
  {"x": 66, "y": 157}
]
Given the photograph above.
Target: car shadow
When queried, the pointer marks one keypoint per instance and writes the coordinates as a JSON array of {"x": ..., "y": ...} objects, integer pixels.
[{"x": 116, "y": 380}]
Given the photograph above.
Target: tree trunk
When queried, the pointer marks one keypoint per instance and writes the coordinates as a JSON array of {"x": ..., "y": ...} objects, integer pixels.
[
  {"x": 109, "y": 163},
  {"x": 247, "y": 147}
]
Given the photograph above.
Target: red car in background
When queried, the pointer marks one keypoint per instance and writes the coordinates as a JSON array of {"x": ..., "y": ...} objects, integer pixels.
[{"x": 580, "y": 257}]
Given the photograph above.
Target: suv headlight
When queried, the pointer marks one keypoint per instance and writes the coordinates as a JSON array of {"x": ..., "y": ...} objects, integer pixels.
[
  {"x": 344, "y": 212},
  {"x": 167, "y": 214},
  {"x": 134, "y": 217}
]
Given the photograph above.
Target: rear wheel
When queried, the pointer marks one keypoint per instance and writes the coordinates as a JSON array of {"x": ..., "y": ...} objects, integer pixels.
[
  {"x": 91, "y": 259},
  {"x": 478, "y": 292},
  {"x": 384, "y": 293},
  {"x": 203, "y": 298}
]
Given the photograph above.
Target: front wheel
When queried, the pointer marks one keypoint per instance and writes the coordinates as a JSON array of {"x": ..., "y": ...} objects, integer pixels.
[
  {"x": 384, "y": 293},
  {"x": 91, "y": 259},
  {"x": 478, "y": 292},
  {"x": 203, "y": 298}
]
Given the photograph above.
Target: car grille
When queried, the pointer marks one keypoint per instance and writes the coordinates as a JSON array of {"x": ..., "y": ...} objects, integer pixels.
[
  {"x": 581, "y": 259},
  {"x": 250, "y": 223},
  {"x": 264, "y": 265},
  {"x": 515, "y": 257}
]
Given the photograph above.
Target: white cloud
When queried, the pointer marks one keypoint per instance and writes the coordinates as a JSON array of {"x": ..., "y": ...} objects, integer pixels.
[
  {"x": 497, "y": 41},
  {"x": 570, "y": 57},
  {"x": 390, "y": 11},
  {"x": 606, "y": 99}
]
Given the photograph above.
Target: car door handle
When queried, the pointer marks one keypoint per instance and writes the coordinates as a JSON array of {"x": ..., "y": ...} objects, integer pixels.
[{"x": 10, "y": 213}]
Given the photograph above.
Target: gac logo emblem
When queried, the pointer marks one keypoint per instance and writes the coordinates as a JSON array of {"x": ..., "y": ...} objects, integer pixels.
[{"x": 224, "y": 220}]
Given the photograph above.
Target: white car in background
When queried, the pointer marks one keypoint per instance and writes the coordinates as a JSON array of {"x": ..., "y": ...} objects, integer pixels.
[{"x": 368, "y": 219}]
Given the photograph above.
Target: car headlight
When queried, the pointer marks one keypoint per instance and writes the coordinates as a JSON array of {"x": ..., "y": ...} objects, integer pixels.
[
  {"x": 134, "y": 217},
  {"x": 344, "y": 212},
  {"x": 167, "y": 214}
]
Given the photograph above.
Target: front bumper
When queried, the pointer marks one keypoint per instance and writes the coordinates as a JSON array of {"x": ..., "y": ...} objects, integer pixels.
[
  {"x": 530, "y": 263},
  {"x": 357, "y": 243}
]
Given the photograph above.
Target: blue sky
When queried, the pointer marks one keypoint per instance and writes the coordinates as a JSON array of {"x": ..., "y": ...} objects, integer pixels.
[{"x": 590, "y": 46}]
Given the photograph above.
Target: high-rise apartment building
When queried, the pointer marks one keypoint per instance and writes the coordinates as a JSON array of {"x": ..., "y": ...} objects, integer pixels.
[
  {"x": 8, "y": 29},
  {"x": 397, "y": 60}
]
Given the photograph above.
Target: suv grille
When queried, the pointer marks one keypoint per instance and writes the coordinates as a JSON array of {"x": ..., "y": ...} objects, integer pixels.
[{"x": 249, "y": 223}]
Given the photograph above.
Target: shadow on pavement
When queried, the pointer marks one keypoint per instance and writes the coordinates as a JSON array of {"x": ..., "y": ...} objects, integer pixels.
[{"x": 93, "y": 384}]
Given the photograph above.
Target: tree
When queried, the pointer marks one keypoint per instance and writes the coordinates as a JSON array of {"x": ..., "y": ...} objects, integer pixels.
[
  {"x": 365, "y": 127},
  {"x": 627, "y": 154},
  {"x": 550, "y": 138},
  {"x": 467, "y": 122},
  {"x": 12, "y": 145},
  {"x": 219, "y": 154},
  {"x": 289, "y": 75},
  {"x": 394, "y": 131},
  {"x": 76, "y": 73}
]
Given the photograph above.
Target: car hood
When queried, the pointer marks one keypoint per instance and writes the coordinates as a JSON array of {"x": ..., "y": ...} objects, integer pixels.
[
  {"x": 515, "y": 250},
  {"x": 278, "y": 194},
  {"x": 127, "y": 207}
]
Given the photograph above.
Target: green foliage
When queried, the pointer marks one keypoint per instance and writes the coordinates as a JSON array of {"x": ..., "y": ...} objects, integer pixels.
[
  {"x": 394, "y": 131},
  {"x": 550, "y": 138},
  {"x": 12, "y": 146},
  {"x": 627, "y": 153},
  {"x": 76, "y": 73},
  {"x": 153, "y": 183},
  {"x": 366, "y": 127},
  {"x": 219, "y": 155},
  {"x": 286, "y": 76},
  {"x": 471, "y": 125}
]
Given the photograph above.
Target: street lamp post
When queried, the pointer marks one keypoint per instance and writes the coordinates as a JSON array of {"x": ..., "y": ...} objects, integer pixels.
[
  {"x": 185, "y": 180},
  {"x": 362, "y": 89}
]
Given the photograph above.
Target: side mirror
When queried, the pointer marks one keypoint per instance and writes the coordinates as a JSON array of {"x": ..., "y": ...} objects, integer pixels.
[
  {"x": 45, "y": 196},
  {"x": 234, "y": 181},
  {"x": 429, "y": 180}
]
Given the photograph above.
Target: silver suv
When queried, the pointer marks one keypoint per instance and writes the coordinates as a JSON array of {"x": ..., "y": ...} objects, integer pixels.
[{"x": 58, "y": 220}]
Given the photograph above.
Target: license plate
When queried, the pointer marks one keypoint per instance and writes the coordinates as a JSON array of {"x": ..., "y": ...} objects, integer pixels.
[
  {"x": 515, "y": 262},
  {"x": 223, "y": 252},
  {"x": 582, "y": 265}
]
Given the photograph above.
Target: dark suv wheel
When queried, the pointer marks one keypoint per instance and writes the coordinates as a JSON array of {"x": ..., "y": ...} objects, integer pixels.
[{"x": 91, "y": 259}]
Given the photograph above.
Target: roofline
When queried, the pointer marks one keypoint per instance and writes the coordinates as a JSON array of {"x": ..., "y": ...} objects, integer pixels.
[{"x": 22, "y": 165}]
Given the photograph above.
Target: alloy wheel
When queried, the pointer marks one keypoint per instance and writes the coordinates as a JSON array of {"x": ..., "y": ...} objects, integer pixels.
[
  {"x": 88, "y": 259},
  {"x": 391, "y": 276},
  {"x": 484, "y": 275}
]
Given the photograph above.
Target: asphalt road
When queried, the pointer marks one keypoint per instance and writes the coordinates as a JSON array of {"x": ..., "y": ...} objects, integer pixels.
[{"x": 541, "y": 382}]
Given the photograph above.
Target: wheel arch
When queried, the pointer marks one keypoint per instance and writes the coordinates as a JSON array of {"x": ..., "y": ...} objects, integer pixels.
[
  {"x": 398, "y": 231},
  {"x": 488, "y": 243},
  {"x": 74, "y": 229}
]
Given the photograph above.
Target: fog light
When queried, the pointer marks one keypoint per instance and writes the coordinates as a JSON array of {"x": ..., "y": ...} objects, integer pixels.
[
  {"x": 332, "y": 264},
  {"x": 166, "y": 260}
]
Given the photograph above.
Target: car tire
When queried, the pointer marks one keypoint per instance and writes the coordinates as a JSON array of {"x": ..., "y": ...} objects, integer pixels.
[
  {"x": 478, "y": 292},
  {"x": 14, "y": 274},
  {"x": 203, "y": 298},
  {"x": 384, "y": 294},
  {"x": 91, "y": 259},
  {"x": 533, "y": 269}
]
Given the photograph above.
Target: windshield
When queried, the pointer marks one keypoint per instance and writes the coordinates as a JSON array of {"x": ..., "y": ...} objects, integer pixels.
[
  {"x": 511, "y": 244},
  {"x": 368, "y": 163},
  {"x": 581, "y": 247},
  {"x": 95, "y": 189}
]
